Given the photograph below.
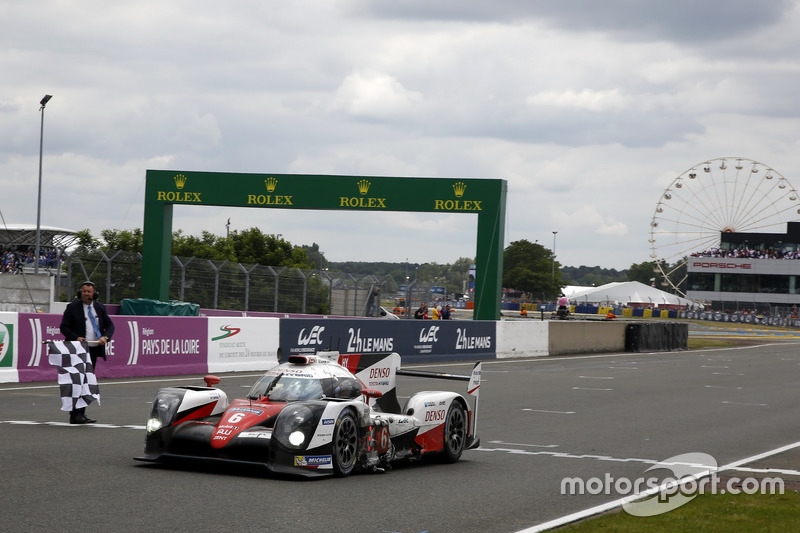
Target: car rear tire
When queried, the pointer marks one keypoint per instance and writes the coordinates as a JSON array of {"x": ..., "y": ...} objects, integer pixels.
[
  {"x": 345, "y": 444},
  {"x": 455, "y": 433}
]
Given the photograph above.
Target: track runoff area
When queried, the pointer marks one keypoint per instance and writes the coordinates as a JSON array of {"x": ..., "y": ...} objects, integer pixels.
[{"x": 563, "y": 438}]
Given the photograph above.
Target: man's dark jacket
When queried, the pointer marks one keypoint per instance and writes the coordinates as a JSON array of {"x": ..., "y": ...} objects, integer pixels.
[{"x": 73, "y": 324}]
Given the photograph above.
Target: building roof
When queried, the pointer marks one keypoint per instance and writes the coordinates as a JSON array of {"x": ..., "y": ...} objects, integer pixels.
[{"x": 14, "y": 235}]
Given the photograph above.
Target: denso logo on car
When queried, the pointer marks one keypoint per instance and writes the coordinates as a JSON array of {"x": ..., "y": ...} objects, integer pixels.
[
  {"x": 435, "y": 416},
  {"x": 379, "y": 373}
]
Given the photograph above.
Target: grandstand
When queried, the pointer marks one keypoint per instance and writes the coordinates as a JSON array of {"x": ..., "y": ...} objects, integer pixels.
[{"x": 756, "y": 271}]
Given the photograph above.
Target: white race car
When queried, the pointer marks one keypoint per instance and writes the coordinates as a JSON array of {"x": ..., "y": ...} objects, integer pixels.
[{"x": 315, "y": 415}]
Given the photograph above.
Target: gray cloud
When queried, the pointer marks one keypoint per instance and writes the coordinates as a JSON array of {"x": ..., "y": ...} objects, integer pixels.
[
  {"x": 641, "y": 20},
  {"x": 588, "y": 109}
]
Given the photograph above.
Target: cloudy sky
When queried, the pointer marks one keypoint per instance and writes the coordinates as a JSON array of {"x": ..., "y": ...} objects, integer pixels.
[{"x": 588, "y": 109}]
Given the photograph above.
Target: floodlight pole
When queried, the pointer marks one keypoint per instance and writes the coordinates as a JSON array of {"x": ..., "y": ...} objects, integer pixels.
[
  {"x": 553, "y": 275},
  {"x": 43, "y": 103}
]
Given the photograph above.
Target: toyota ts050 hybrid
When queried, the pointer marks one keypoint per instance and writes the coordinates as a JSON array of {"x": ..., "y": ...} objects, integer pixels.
[{"x": 327, "y": 414}]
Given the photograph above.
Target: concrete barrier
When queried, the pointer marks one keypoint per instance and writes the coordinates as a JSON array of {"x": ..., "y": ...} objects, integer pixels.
[
  {"x": 26, "y": 294},
  {"x": 522, "y": 338},
  {"x": 578, "y": 336}
]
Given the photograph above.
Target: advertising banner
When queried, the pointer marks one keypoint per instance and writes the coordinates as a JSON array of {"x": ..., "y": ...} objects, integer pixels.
[
  {"x": 157, "y": 346},
  {"x": 414, "y": 340},
  {"x": 8, "y": 348},
  {"x": 33, "y": 329},
  {"x": 242, "y": 344},
  {"x": 140, "y": 346}
]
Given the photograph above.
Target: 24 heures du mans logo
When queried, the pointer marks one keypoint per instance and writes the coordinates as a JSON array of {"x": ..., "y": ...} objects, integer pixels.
[
  {"x": 459, "y": 188},
  {"x": 180, "y": 195}
]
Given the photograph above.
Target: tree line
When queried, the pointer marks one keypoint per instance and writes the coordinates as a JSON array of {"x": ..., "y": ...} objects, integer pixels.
[{"x": 529, "y": 269}]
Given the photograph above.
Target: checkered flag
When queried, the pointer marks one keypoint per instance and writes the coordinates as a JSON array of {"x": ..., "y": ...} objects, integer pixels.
[{"x": 76, "y": 377}]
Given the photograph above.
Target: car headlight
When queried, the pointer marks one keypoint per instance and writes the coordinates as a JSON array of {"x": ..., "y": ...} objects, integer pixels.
[
  {"x": 153, "y": 425},
  {"x": 296, "y": 438},
  {"x": 294, "y": 426},
  {"x": 164, "y": 407}
]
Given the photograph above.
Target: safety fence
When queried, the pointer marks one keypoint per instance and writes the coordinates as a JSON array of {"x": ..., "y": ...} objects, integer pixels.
[{"x": 214, "y": 284}]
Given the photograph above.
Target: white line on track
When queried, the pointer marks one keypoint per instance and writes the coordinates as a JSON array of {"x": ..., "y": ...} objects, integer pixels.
[
  {"x": 726, "y": 374},
  {"x": 624, "y": 367},
  {"x": 586, "y": 513},
  {"x": 595, "y": 377},
  {"x": 589, "y": 388},
  {"x": 722, "y": 387},
  {"x": 37, "y": 423},
  {"x": 743, "y": 403},
  {"x": 107, "y": 383},
  {"x": 544, "y": 411},
  {"x": 783, "y": 471},
  {"x": 516, "y": 451},
  {"x": 519, "y": 444},
  {"x": 712, "y": 366}
]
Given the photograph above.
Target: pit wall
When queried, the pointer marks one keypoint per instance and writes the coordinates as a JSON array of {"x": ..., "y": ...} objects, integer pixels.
[{"x": 163, "y": 346}]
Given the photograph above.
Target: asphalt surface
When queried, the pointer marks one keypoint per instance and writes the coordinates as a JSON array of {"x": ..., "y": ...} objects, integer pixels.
[{"x": 540, "y": 421}]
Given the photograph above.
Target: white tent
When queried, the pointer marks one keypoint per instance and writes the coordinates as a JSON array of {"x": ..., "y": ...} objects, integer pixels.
[{"x": 624, "y": 293}]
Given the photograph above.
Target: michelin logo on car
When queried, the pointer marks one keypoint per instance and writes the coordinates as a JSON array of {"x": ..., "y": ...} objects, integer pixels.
[{"x": 312, "y": 460}]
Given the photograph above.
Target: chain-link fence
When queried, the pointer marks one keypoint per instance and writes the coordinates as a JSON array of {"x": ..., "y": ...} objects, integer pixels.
[{"x": 225, "y": 285}]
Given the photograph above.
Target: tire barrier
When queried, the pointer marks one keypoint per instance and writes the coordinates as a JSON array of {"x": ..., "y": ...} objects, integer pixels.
[
  {"x": 656, "y": 337},
  {"x": 742, "y": 318}
]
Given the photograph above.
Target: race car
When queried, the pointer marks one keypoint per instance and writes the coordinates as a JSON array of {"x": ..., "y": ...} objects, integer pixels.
[{"x": 322, "y": 414}]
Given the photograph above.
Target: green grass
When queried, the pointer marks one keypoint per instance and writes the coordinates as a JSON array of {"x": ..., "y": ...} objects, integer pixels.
[
  {"x": 701, "y": 344},
  {"x": 718, "y": 513}
]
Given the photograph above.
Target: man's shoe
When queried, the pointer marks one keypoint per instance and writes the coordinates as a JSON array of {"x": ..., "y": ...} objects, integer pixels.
[
  {"x": 78, "y": 420},
  {"x": 87, "y": 420}
]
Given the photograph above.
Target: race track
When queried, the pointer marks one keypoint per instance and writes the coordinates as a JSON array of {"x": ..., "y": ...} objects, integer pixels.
[{"x": 539, "y": 421}]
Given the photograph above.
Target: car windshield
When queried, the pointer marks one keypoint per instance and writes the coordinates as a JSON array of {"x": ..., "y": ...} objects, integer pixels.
[{"x": 281, "y": 388}]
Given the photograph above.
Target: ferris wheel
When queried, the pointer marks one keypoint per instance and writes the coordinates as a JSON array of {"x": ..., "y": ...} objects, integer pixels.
[{"x": 728, "y": 194}]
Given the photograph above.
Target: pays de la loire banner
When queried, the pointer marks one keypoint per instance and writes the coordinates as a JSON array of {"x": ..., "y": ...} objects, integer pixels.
[{"x": 140, "y": 346}]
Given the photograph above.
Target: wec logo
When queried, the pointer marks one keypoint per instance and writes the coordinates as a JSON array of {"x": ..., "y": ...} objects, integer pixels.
[
  {"x": 314, "y": 336},
  {"x": 430, "y": 334}
]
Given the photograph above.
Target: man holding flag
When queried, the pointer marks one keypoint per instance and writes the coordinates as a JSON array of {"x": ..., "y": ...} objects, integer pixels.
[{"x": 86, "y": 320}]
